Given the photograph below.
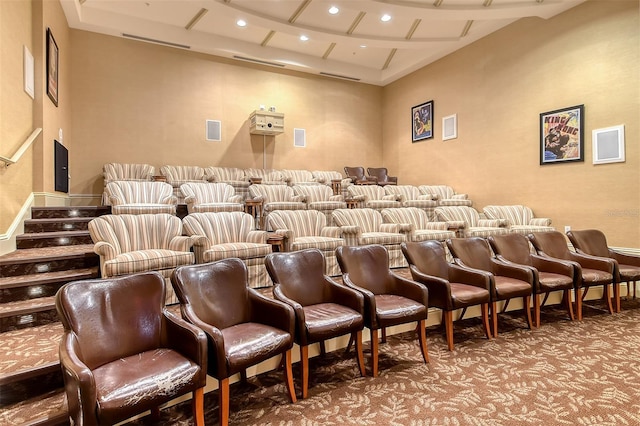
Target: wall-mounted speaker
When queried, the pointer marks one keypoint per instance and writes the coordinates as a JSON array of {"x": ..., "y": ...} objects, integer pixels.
[
  {"x": 450, "y": 127},
  {"x": 608, "y": 145},
  {"x": 214, "y": 130},
  {"x": 299, "y": 138}
]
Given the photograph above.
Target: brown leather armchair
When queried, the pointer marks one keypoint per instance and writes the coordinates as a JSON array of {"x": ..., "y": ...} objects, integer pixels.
[
  {"x": 593, "y": 242},
  {"x": 123, "y": 353},
  {"x": 357, "y": 176},
  {"x": 450, "y": 286},
  {"x": 507, "y": 281},
  {"x": 243, "y": 327},
  {"x": 548, "y": 275},
  {"x": 382, "y": 176},
  {"x": 388, "y": 298},
  {"x": 324, "y": 309},
  {"x": 590, "y": 271}
]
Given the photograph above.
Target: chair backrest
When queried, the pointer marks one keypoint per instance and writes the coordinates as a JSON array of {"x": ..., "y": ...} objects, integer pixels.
[
  {"x": 444, "y": 192},
  {"x": 181, "y": 173},
  {"x": 411, "y": 215},
  {"x": 368, "y": 220},
  {"x": 408, "y": 192},
  {"x": 128, "y": 232},
  {"x": 357, "y": 172},
  {"x": 122, "y": 171},
  {"x": 371, "y": 192},
  {"x": 514, "y": 215},
  {"x": 473, "y": 252},
  {"x": 138, "y": 192},
  {"x": 113, "y": 318},
  {"x": 208, "y": 192},
  {"x": 217, "y": 293},
  {"x": 428, "y": 257},
  {"x": 224, "y": 174},
  {"x": 302, "y": 223},
  {"x": 513, "y": 247},
  {"x": 466, "y": 214},
  {"x": 272, "y": 193},
  {"x": 264, "y": 174},
  {"x": 220, "y": 228},
  {"x": 367, "y": 266},
  {"x": 379, "y": 173},
  {"x": 298, "y": 176},
  {"x": 313, "y": 193},
  {"x": 589, "y": 241},
  {"x": 326, "y": 176},
  {"x": 552, "y": 243},
  {"x": 300, "y": 275}
]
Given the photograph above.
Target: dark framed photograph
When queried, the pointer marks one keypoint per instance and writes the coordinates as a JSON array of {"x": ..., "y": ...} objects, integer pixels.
[
  {"x": 52, "y": 67},
  {"x": 562, "y": 135},
  {"x": 422, "y": 122}
]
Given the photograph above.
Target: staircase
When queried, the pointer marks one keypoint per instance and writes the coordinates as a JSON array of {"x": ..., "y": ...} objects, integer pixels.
[{"x": 55, "y": 249}]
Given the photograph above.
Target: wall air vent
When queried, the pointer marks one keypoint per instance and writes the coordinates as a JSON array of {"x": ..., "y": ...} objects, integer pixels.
[
  {"x": 258, "y": 61},
  {"x": 328, "y": 74},
  {"x": 152, "y": 40}
]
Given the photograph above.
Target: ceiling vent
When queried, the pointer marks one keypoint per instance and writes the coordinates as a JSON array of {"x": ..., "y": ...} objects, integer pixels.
[
  {"x": 344, "y": 77},
  {"x": 258, "y": 61},
  {"x": 152, "y": 40}
]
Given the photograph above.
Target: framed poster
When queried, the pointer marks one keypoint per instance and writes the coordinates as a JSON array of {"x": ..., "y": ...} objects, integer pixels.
[
  {"x": 422, "y": 122},
  {"x": 562, "y": 135},
  {"x": 52, "y": 68}
]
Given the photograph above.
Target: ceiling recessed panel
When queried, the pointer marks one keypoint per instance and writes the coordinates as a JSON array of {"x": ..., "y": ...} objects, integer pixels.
[
  {"x": 168, "y": 12},
  {"x": 366, "y": 56},
  {"x": 293, "y": 43},
  {"x": 316, "y": 15},
  {"x": 372, "y": 26},
  {"x": 213, "y": 24}
]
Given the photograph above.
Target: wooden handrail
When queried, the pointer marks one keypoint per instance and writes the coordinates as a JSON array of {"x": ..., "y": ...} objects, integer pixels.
[{"x": 23, "y": 148}]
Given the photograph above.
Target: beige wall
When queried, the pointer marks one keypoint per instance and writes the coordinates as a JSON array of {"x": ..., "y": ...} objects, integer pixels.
[
  {"x": 135, "y": 102},
  {"x": 498, "y": 86}
]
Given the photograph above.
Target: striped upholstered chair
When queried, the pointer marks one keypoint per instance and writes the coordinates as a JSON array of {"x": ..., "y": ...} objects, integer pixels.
[
  {"x": 299, "y": 177},
  {"x": 333, "y": 179},
  {"x": 321, "y": 198},
  {"x": 373, "y": 197},
  {"x": 365, "y": 226},
  {"x": 230, "y": 175},
  {"x": 276, "y": 197},
  {"x": 410, "y": 196},
  {"x": 121, "y": 171},
  {"x": 128, "y": 244},
  {"x": 138, "y": 197},
  {"x": 445, "y": 195},
  {"x": 177, "y": 175},
  {"x": 303, "y": 229},
  {"x": 519, "y": 219},
  {"x": 469, "y": 223},
  {"x": 265, "y": 176},
  {"x": 222, "y": 235},
  {"x": 211, "y": 197},
  {"x": 416, "y": 223}
]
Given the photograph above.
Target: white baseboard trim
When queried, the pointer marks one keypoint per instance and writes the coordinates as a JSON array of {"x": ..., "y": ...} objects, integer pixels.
[
  {"x": 8, "y": 240},
  {"x": 48, "y": 199}
]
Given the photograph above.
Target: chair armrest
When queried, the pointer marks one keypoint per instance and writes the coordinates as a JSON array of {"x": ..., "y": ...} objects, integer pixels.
[
  {"x": 392, "y": 197},
  {"x": 259, "y": 198},
  {"x": 79, "y": 383},
  {"x": 272, "y": 312},
  {"x": 298, "y": 198},
  {"x": 359, "y": 197},
  {"x": 190, "y": 199},
  {"x": 258, "y": 237},
  {"x": 370, "y": 318},
  {"x": 171, "y": 200},
  {"x": 512, "y": 270},
  {"x": 439, "y": 288},
  {"x": 181, "y": 243},
  {"x": 235, "y": 199},
  {"x": 492, "y": 223},
  {"x": 454, "y": 225},
  {"x": 200, "y": 241},
  {"x": 428, "y": 197},
  {"x": 338, "y": 198},
  {"x": 393, "y": 179},
  {"x": 186, "y": 339},
  {"x": 547, "y": 264},
  {"x": 460, "y": 197},
  {"x": 410, "y": 289},
  {"x": 625, "y": 259},
  {"x": 103, "y": 248},
  {"x": 405, "y": 228},
  {"x": 351, "y": 229},
  {"x": 594, "y": 262},
  {"x": 343, "y": 295},
  {"x": 393, "y": 228},
  {"x": 331, "y": 232},
  {"x": 540, "y": 221},
  {"x": 278, "y": 294},
  {"x": 474, "y": 277},
  {"x": 215, "y": 342}
]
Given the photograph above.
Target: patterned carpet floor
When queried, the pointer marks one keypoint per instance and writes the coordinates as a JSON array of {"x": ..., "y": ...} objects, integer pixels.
[{"x": 564, "y": 373}]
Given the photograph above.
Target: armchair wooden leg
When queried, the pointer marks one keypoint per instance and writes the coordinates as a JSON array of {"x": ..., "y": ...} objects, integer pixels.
[
  {"x": 223, "y": 401},
  {"x": 348, "y": 348},
  {"x": 384, "y": 335},
  {"x": 198, "y": 406},
  {"x": 616, "y": 296},
  {"x": 422, "y": 338},
  {"x": 607, "y": 297},
  {"x": 536, "y": 310},
  {"x": 494, "y": 318},
  {"x": 357, "y": 336},
  {"x": 288, "y": 376},
  {"x": 578, "y": 293},
  {"x": 155, "y": 414},
  {"x": 374, "y": 353},
  {"x": 448, "y": 327},
  {"x": 304, "y": 363},
  {"x": 484, "y": 307},
  {"x": 566, "y": 296},
  {"x": 526, "y": 302}
]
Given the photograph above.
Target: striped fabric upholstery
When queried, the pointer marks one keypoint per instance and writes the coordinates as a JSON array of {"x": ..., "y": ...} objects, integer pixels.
[
  {"x": 365, "y": 226},
  {"x": 305, "y": 229},
  {"x": 321, "y": 198},
  {"x": 326, "y": 177},
  {"x": 138, "y": 197},
  {"x": 420, "y": 228},
  {"x": 473, "y": 225},
  {"x": 268, "y": 176},
  {"x": 129, "y": 244},
  {"x": 177, "y": 175},
  {"x": 299, "y": 177},
  {"x": 445, "y": 195},
  {"x": 229, "y": 175},
  {"x": 519, "y": 219},
  {"x": 230, "y": 234},
  {"x": 122, "y": 171},
  {"x": 276, "y": 197},
  {"x": 373, "y": 197},
  {"x": 410, "y": 196},
  {"x": 211, "y": 197}
]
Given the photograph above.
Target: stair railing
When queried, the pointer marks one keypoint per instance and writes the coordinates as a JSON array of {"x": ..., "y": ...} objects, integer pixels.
[{"x": 27, "y": 143}]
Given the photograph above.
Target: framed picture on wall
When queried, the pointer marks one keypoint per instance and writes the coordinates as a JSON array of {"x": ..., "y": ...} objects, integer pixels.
[
  {"x": 52, "y": 67},
  {"x": 562, "y": 135},
  {"x": 422, "y": 122}
]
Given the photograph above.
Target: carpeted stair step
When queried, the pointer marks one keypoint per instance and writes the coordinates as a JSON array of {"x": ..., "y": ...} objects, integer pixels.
[
  {"x": 57, "y": 224},
  {"x": 49, "y": 409},
  {"x": 27, "y": 313},
  {"x": 52, "y": 239},
  {"x": 48, "y": 259},
  {"x": 25, "y": 287},
  {"x": 66, "y": 212}
]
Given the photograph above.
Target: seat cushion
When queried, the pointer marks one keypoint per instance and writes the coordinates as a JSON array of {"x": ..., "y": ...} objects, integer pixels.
[
  {"x": 629, "y": 272},
  {"x": 392, "y": 310},
  {"x": 551, "y": 282},
  {"x": 463, "y": 295},
  {"x": 240, "y": 250},
  {"x": 326, "y": 320},
  {"x": 595, "y": 277},
  {"x": 249, "y": 343},
  {"x": 427, "y": 234},
  {"x": 150, "y": 379},
  {"x": 484, "y": 232},
  {"x": 322, "y": 243},
  {"x": 506, "y": 287},
  {"x": 146, "y": 260},
  {"x": 218, "y": 207},
  {"x": 381, "y": 238}
]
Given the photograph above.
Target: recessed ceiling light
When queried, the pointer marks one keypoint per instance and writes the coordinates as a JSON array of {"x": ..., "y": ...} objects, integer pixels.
[
  {"x": 333, "y": 10},
  {"x": 304, "y": 38},
  {"x": 386, "y": 17},
  {"x": 241, "y": 23}
]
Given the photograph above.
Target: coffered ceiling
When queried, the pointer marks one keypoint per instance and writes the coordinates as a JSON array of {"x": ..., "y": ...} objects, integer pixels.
[{"x": 340, "y": 38}]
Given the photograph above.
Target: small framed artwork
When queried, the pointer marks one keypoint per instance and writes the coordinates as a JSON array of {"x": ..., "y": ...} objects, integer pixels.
[
  {"x": 422, "y": 122},
  {"x": 450, "y": 127},
  {"x": 562, "y": 135},
  {"x": 608, "y": 145},
  {"x": 52, "y": 68}
]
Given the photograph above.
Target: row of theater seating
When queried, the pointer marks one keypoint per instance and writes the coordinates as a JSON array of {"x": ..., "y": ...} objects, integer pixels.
[{"x": 230, "y": 326}]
